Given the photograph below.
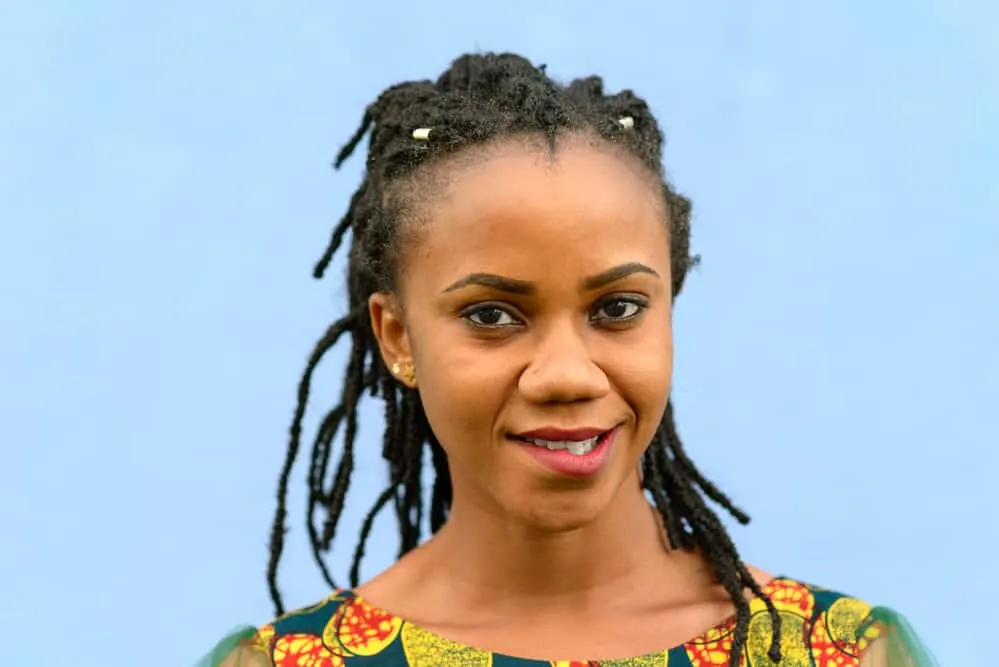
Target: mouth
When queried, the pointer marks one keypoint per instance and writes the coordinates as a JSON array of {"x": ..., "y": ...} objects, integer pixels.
[
  {"x": 576, "y": 453},
  {"x": 570, "y": 442}
]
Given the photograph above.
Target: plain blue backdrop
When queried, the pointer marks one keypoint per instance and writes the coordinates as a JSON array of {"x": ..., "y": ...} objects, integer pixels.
[{"x": 165, "y": 188}]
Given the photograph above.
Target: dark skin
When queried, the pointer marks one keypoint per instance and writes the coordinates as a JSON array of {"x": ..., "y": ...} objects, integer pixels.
[{"x": 531, "y": 563}]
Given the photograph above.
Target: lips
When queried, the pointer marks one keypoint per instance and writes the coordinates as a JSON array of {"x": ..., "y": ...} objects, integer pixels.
[
  {"x": 562, "y": 435},
  {"x": 579, "y": 453}
]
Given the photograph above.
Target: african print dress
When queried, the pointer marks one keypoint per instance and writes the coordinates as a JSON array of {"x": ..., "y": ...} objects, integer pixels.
[{"x": 820, "y": 628}]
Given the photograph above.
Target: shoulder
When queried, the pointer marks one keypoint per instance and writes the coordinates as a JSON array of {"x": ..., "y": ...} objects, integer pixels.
[
  {"x": 789, "y": 593},
  {"x": 815, "y": 621},
  {"x": 297, "y": 632},
  {"x": 818, "y": 623},
  {"x": 840, "y": 616},
  {"x": 310, "y": 620},
  {"x": 338, "y": 626}
]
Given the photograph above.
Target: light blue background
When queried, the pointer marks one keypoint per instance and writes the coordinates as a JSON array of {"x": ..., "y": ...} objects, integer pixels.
[{"x": 165, "y": 188}]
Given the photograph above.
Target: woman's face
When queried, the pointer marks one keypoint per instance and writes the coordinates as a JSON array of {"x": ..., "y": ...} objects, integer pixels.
[{"x": 535, "y": 309}]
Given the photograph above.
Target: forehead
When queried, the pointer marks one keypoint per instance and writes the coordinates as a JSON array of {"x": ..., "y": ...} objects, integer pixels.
[{"x": 582, "y": 207}]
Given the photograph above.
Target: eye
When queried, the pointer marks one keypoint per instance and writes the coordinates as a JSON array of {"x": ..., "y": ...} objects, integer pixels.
[
  {"x": 619, "y": 309},
  {"x": 490, "y": 315}
]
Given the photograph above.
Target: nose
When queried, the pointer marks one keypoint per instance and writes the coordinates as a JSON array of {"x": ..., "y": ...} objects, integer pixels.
[{"x": 562, "y": 370}]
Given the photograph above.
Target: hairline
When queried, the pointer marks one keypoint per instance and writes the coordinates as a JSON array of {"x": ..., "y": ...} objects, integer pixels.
[{"x": 410, "y": 197}]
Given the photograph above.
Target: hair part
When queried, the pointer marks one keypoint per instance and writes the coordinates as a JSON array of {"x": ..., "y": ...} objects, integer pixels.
[{"x": 480, "y": 100}]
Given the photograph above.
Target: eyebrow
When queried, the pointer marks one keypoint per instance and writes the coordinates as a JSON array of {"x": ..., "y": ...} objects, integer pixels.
[
  {"x": 524, "y": 288},
  {"x": 617, "y": 273}
]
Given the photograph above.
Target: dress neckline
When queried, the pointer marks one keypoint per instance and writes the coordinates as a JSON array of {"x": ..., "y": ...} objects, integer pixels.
[{"x": 711, "y": 635}]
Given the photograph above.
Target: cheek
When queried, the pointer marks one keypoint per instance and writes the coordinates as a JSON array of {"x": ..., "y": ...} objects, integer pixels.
[
  {"x": 643, "y": 373},
  {"x": 645, "y": 382},
  {"x": 460, "y": 390},
  {"x": 456, "y": 368}
]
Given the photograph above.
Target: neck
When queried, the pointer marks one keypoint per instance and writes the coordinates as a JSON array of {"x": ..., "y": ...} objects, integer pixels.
[{"x": 491, "y": 557}]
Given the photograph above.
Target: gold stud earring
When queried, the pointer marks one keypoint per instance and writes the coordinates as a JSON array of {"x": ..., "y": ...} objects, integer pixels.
[{"x": 406, "y": 372}]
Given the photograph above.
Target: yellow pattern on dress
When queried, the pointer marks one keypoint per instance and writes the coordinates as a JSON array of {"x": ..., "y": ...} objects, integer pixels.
[
  {"x": 834, "y": 634},
  {"x": 425, "y": 649},
  {"x": 795, "y": 604},
  {"x": 651, "y": 660},
  {"x": 360, "y": 629},
  {"x": 844, "y": 618},
  {"x": 712, "y": 648}
]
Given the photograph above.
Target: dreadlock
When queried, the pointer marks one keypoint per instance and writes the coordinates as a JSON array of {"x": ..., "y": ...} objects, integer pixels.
[{"x": 480, "y": 98}]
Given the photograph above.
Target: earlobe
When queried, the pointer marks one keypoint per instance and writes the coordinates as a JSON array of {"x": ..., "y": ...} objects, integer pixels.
[
  {"x": 406, "y": 373},
  {"x": 389, "y": 327}
]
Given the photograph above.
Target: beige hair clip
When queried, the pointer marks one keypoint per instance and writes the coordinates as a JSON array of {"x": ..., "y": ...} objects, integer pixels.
[
  {"x": 626, "y": 122},
  {"x": 421, "y": 133}
]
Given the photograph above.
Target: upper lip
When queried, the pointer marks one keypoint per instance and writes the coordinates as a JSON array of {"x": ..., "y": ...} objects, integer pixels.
[{"x": 553, "y": 434}]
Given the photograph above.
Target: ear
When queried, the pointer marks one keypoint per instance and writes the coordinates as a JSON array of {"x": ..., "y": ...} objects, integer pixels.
[{"x": 389, "y": 326}]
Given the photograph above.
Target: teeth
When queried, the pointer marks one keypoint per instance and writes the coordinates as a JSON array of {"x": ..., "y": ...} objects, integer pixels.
[{"x": 579, "y": 448}]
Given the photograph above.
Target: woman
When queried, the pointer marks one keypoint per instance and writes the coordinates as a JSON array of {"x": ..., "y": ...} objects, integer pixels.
[{"x": 515, "y": 254}]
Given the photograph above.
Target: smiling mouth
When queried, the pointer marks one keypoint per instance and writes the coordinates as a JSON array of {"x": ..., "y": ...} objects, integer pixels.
[{"x": 577, "y": 446}]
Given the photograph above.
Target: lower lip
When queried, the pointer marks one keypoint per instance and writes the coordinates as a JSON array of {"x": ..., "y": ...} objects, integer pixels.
[{"x": 565, "y": 463}]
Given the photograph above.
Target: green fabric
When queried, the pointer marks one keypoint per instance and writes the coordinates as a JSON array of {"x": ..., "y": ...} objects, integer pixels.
[
  {"x": 903, "y": 646},
  {"x": 226, "y": 646}
]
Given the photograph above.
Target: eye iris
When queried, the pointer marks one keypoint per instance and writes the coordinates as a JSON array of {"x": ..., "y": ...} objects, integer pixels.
[
  {"x": 617, "y": 309},
  {"x": 490, "y": 315}
]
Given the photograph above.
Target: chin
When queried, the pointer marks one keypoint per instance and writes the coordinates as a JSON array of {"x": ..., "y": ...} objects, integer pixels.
[{"x": 561, "y": 515}]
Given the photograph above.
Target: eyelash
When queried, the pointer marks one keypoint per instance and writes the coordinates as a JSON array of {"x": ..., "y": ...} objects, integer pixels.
[{"x": 639, "y": 303}]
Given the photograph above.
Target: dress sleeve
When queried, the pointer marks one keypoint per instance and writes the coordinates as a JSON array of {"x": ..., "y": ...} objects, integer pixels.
[
  {"x": 892, "y": 642},
  {"x": 243, "y": 647}
]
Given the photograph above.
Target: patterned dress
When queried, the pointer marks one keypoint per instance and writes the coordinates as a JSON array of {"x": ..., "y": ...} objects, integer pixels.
[{"x": 820, "y": 628}]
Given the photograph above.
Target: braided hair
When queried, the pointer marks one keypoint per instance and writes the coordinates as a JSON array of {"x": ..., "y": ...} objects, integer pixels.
[{"x": 481, "y": 98}]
